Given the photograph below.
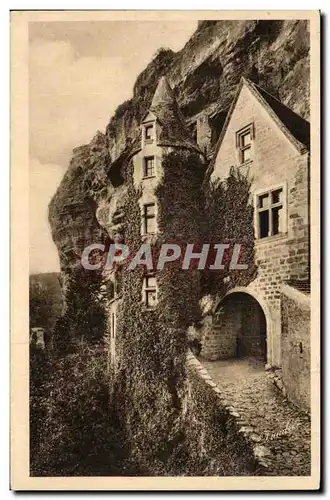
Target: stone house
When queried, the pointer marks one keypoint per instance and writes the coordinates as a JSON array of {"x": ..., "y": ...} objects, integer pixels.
[{"x": 270, "y": 145}]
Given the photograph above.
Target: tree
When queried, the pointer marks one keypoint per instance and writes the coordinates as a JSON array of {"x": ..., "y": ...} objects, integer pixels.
[
  {"x": 40, "y": 305},
  {"x": 84, "y": 318}
]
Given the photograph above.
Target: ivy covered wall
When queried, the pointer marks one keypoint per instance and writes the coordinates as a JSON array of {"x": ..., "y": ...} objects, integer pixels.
[
  {"x": 229, "y": 215},
  {"x": 151, "y": 345}
]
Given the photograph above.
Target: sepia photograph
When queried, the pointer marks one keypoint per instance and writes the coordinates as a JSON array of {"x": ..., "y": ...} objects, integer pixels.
[{"x": 171, "y": 326}]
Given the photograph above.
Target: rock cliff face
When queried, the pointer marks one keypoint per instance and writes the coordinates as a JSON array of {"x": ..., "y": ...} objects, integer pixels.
[{"x": 204, "y": 76}]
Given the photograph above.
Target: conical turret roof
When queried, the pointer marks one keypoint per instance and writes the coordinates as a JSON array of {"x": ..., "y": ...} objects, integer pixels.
[
  {"x": 164, "y": 93},
  {"x": 174, "y": 131}
]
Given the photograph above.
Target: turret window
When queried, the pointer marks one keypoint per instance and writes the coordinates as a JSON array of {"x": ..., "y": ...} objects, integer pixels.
[
  {"x": 148, "y": 133},
  {"x": 149, "y": 218},
  {"x": 149, "y": 166},
  {"x": 150, "y": 291}
]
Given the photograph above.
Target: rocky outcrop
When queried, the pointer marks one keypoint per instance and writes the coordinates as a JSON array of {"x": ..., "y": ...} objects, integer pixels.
[
  {"x": 274, "y": 54},
  {"x": 204, "y": 76},
  {"x": 72, "y": 211}
]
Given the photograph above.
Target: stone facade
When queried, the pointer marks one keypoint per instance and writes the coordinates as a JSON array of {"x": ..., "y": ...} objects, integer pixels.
[
  {"x": 278, "y": 160},
  {"x": 227, "y": 339}
]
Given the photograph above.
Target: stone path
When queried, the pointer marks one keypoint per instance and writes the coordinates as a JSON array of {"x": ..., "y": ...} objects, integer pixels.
[{"x": 265, "y": 415}]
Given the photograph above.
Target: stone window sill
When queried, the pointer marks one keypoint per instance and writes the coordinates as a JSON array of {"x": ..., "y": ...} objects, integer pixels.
[
  {"x": 148, "y": 177},
  {"x": 246, "y": 163},
  {"x": 114, "y": 299},
  {"x": 271, "y": 239},
  {"x": 149, "y": 238}
]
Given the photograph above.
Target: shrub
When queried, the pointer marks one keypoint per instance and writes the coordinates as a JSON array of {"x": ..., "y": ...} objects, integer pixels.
[{"x": 77, "y": 432}]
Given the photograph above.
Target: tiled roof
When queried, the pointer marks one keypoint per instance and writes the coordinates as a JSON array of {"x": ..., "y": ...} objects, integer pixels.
[{"x": 296, "y": 125}]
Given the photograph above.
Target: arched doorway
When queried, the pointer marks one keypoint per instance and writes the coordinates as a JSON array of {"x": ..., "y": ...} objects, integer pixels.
[{"x": 241, "y": 327}]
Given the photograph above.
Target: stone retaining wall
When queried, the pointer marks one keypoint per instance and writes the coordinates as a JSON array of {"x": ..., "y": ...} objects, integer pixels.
[
  {"x": 295, "y": 342},
  {"x": 219, "y": 425}
]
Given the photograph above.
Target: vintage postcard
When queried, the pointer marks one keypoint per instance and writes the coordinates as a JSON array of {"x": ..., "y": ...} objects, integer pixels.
[{"x": 165, "y": 185}]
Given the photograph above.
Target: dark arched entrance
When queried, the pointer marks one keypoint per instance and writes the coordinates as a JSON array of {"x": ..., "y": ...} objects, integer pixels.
[{"x": 241, "y": 327}]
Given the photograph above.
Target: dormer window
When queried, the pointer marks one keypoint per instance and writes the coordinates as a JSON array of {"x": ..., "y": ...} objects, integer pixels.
[
  {"x": 148, "y": 133},
  {"x": 148, "y": 128},
  {"x": 244, "y": 138}
]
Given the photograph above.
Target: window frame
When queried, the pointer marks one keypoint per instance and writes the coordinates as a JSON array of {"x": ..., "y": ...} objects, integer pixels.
[
  {"x": 145, "y": 171},
  {"x": 149, "y": 289},
  {"x": 149, "y": 125},
  {"x": 268, "y": 191},
  {"x": 150, "y": 137},
  {"x": 248, "y": 129},
  {"x": 146, "y": 217}
]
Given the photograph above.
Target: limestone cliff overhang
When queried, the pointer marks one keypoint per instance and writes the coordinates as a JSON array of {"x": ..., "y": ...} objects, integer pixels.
[
  {"x": 115, "y": 167},
  {"x": 125, "y": 156},
  {"x": 294, "y": 127}
]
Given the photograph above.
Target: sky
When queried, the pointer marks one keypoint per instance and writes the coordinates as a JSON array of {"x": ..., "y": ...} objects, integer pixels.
[{"x": 79, "y": 72}]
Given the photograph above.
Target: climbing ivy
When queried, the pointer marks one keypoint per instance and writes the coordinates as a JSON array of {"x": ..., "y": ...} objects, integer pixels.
[
  {"x": 229, "y": 216},
  {"x": 152, "y": 344}
]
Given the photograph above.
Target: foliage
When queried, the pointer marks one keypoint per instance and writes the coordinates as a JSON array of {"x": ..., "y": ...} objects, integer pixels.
[
  {"x": 40, "y": 303},
  {"x": 72, "y": 420},
  {"x": 154, "y": 420},
  {"x": 74, "y": 226},
  {"x": 163, "y": 52},
  {"x": 229, "y": 216},
  {"x": 45, "y": 299},
  {"x": 129, "y": 114},
  {"x": 84, "y": 317},
  {"x": 39, "y": 371}
]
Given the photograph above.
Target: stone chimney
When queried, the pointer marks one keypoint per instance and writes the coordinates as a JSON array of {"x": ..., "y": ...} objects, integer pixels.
[{"x": 204, "y": 133}]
